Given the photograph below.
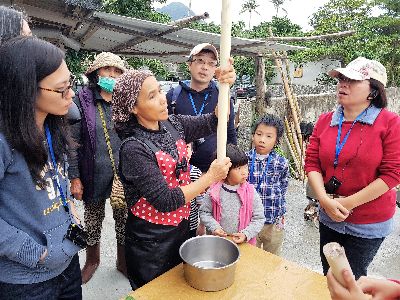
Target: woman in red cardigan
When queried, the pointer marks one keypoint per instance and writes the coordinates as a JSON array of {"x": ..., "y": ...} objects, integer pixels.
[{"x": 353, "y": 164}]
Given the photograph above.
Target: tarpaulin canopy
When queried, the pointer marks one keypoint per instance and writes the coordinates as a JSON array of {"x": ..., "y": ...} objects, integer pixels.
[{"x": 80, "y": 27}]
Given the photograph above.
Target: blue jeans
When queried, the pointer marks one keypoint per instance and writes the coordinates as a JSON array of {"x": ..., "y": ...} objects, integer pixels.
[
  {"x": 67, "y": 285},
  {"x": 359, "y": 251}
]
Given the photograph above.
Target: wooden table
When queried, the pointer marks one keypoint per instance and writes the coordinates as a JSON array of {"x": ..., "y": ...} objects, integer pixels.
[{"x": 259, "y": 275}]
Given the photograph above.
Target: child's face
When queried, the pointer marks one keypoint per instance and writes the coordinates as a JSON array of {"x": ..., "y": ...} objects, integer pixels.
[
  {"x": 264, "y": 139},
  {"x": 237, "y": 175}
]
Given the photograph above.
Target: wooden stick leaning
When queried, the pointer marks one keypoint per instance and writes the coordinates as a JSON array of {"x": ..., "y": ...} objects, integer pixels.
[
  {"x": 223, "y": 98},
  {"x": 337, "y": 260},
  {"x": 290, "y": 147}
]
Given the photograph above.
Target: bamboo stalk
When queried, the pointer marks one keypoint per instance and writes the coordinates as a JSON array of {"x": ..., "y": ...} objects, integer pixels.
[
  {"x": 294, "y": 172},
  {"x": 285, "y": 60},
  {"x": 290, "y": 137},
  {"x": 291, "y": 101},
  {"x": 299, "y": 152},
  {"x": 292, "y": 144},
  {"x": 223, "y": 97},
  {"x": 296, "y": 163},
  {"x": 296, "y": 141}
]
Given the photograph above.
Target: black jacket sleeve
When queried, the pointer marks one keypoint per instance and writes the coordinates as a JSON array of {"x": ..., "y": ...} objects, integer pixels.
[
  {"x": 231, "y": 133},
  {"x": 196, "y": 127}
]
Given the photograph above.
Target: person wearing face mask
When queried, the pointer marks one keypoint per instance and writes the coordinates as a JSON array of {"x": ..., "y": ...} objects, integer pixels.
[
  {"x": 91, "y": 169},
  {"x": 353, "y": 164}
]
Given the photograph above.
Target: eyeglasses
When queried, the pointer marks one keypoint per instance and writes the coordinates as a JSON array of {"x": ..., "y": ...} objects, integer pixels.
[
  {"x": 200, "y": 61},
  {"x": 64, "y": 92},
  {"x": 342, "y": 78}
]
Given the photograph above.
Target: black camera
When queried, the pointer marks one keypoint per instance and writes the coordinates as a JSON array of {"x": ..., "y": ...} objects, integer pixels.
[
  {"x": 77, "y": 235},
  {"x": 332, "y": 185}
]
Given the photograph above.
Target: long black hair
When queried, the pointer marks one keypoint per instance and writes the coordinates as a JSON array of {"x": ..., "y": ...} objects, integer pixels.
[
  {"x": 237, "y": 156},
  {"x": 11, "y": 21},
  {"x": 24, "y": 62}
]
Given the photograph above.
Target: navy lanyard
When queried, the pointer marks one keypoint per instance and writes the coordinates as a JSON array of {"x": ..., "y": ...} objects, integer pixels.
[
  {"x": 194, "y": 106},
  {"x": 55, "y": 174},
  {"x": 252, "y": 179},
  {"x": 339, "y": 145}
]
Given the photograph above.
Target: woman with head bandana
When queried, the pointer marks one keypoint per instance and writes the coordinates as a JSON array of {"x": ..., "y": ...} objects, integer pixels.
[{"x": 155, "y": 173}]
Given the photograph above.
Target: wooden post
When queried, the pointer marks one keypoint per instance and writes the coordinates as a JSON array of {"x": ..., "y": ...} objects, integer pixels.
[
  {"x": 223, "y": 98},
  {"x": 260, "y": 85},
  {"x": 290, "y": 147}
]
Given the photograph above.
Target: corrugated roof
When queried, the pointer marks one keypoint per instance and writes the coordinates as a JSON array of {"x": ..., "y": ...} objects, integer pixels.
[{"x": 92, "y": 30}]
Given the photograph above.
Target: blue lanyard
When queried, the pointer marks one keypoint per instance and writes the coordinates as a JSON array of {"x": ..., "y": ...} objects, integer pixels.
[
  {"x": 340, "y": 145},
  {"x": 55, "y": 175},
  {"x": 194, "y": 106},
  {"x": 252, "y": 179}
]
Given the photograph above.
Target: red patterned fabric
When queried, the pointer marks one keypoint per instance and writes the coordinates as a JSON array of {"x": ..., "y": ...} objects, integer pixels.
[{"x": 144, "y": 210}]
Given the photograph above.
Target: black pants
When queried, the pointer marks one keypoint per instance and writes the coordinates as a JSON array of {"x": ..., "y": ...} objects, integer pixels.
[
  {"x": 66, "y": 286},
  {"x": 359, "y": 251},
  {"x": 152, "y": 249}
]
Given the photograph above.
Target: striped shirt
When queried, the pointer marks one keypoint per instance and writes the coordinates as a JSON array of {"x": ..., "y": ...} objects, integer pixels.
[
  {"x": 195, "y": 174},
  {"x": 273, "y": 186}
]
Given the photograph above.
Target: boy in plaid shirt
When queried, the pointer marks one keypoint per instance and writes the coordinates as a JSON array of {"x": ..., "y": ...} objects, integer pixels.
[{"x": 269, "y": 173}]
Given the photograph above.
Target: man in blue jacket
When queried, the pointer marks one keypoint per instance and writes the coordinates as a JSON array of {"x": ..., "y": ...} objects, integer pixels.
[{"x": 200, "y": 96}]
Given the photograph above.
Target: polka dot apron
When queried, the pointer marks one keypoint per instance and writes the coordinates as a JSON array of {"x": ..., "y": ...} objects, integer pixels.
[{"x": 167, "y": 164}]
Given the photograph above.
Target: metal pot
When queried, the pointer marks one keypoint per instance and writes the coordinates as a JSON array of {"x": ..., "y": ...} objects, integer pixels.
[{"x": 209, "y": 262}]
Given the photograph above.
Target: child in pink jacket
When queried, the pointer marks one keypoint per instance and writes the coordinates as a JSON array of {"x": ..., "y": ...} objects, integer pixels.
[{"x": 233, "y": 207}]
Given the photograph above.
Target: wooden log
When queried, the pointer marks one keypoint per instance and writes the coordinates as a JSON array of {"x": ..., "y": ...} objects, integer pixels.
[
  {"x": 260, "y": 85},
  {"x": 291, "y": 135},
  {"x": 223, "y": 97},
  {"x": 295, "y": 140},
  {"x": 289, "y": 95},
  {"x": 310, "y": 38},
  {"x": 292, "y": 154}
]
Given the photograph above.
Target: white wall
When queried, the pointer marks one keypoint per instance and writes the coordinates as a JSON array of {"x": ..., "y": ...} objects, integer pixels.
[{"x": 311, "y": 71}]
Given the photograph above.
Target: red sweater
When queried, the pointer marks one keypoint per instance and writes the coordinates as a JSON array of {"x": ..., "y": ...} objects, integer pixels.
[{"x": 371, "y": 152}]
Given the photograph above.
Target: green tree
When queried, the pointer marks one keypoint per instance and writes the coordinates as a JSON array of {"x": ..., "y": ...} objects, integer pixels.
[
  {"x": 377, "y": 37},
  {"x": 278, "y": 5},
  {"x": 392, "y": 7},
  {"x": 280, "y": 27},
  {"x": 250, "y": 6},
  {"x": 141, "y": 9}
]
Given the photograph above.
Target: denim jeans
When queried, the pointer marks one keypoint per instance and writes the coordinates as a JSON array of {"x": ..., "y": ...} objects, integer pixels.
[
  {"x": 67, "y": 285},
  {"x": 359, "y": 251}
]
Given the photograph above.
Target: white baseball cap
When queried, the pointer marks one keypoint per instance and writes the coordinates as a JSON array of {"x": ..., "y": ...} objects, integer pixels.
[
  {"x": 361, "y": 69},
  {"x": 204, "y": 46}
]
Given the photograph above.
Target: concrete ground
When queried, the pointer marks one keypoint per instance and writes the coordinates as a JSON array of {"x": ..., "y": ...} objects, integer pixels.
[{"x": 301, "y": 245}]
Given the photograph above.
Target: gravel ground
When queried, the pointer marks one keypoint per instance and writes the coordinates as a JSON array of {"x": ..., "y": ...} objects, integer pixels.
[{"x": 301, "y": 245}]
